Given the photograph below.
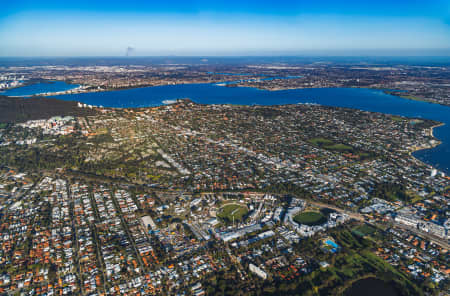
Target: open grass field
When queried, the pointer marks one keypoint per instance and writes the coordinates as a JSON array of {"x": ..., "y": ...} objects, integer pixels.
[
  {"x": 229, "y": 211},
  {"x": 320, "y": 141},
  {"x": 329, "y": 144},
  {"x": 310, "y": 218}
]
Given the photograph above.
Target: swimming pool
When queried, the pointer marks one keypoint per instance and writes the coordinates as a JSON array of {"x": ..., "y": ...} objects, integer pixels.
[{"x": 331, "y": 243}]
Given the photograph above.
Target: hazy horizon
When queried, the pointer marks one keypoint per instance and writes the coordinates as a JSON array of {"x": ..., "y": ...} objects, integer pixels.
[{"x": 420, "y": 53}]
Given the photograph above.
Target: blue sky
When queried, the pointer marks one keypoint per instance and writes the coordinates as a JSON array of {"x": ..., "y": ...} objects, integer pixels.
[{"x": 107, "y": 28}]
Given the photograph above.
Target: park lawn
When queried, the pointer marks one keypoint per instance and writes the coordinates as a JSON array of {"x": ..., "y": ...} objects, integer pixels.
[
  {"x": 329, "y": 144},
  {"x": 414, "y": 98},
  {"x": 414, "y": 196}
]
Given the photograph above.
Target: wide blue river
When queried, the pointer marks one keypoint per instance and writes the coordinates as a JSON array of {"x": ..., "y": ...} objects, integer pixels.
[
  {"x": 363, "y": 99},
  {"x": 38, "y": 88}
]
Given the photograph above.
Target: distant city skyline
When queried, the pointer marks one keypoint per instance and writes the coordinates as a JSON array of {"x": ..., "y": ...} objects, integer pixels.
[{"x": 221, "y": 28}]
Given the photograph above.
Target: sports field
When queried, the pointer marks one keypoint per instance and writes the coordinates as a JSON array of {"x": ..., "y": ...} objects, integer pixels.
[
  {"x": 310, "y": 218},
  {"x": 229, "y": 211},
  {"x": 364, "y": 230}
]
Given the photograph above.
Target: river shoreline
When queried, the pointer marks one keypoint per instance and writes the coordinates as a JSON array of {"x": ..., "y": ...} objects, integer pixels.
[
  {"x": 411, "y": 98},
  {"x": 94, "y": 89}
]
